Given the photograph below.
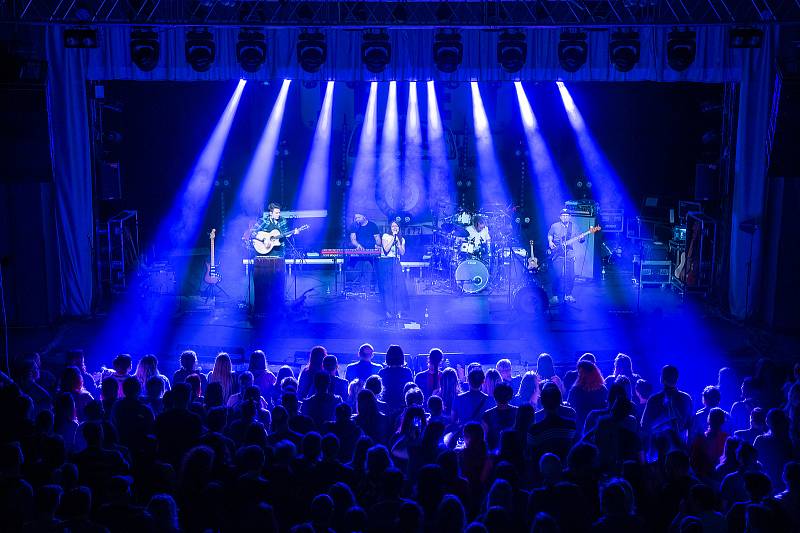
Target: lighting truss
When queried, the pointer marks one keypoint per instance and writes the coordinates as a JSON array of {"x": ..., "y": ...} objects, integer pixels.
[{"x": 405, "y": 14}]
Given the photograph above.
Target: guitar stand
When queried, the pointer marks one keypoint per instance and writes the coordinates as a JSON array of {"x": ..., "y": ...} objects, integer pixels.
[{"x": 210, "y": 292}]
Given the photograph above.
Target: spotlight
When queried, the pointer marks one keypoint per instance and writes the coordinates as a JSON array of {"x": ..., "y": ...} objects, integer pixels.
[
  {"x": 80, "y": 38},
  {"x": 572, "y": 51},
  {"x": 251, "y": 50},
  {"x": 312, "y": 51},
  {"x": 681, "y": 49},
  {"x": 746, "y": 38},
  {"x": 512, "y": 50},
  {"x": 376, "y": 52},
  {"x": 145, "y": 48},
  {"x": 623, "y": 50},
  {"x": 447, "y": 51},
  {"x": 200, "y": 49}
]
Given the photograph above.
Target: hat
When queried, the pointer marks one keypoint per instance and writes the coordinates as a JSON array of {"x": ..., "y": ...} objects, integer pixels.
[{"x": 565, "y": 211}]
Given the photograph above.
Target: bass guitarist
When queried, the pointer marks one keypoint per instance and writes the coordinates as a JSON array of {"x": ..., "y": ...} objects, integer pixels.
[{"x": 563, "y": 257}]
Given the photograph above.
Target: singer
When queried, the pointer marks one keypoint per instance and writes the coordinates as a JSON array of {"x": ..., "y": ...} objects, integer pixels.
[{"x": 391, "y": 285}]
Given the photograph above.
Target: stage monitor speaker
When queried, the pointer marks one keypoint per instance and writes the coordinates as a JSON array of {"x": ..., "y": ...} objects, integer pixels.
[
  {"x": 109, "y": 185},
  {"x": 584, "y": 252}
]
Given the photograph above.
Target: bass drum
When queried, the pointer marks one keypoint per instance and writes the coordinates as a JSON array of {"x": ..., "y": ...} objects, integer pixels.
[
  {"x": 472, "y": 276},
  {"x": 530, "y": 301}
]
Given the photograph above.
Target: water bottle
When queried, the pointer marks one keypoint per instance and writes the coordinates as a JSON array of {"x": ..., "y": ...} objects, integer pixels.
[
  {"x": 603, "y": 273},
  {"x": 328, "y": 290},
  {"x": 426, "y": 315}
]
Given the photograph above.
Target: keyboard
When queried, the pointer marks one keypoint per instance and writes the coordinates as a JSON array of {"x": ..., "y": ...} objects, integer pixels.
[
  {"x": 309, "y": 261},
  {"x": 349, "y": 251}
]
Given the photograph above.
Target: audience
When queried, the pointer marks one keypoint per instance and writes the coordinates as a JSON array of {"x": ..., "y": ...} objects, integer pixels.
[{"x": 384, "y": 450}]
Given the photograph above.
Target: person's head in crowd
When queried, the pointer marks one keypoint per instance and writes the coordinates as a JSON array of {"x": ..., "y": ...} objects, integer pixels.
[
  {"x": 676, "y": 465},
  {"x": 545, "y": 368},
  {"x": 76, "y": 503},
  {"x": 365, "y": 352},
  {"x": 748, "y": 388},
  {"x": 288, "y": 385},
  {"x": 164, "y": 511},
  {"x": 181, "y": 395},
  {"x": 353, "y": 388},
  {"x": 71, "y": 380},
  {"x": 188, "y": 360},
  {"x": 727, "y": 379},
  {"x": 252, "y": 393},
  {"x": 435, "y": 357},
  {"x": 622, "y": 381},
  {"x": 47, "y": 500},
  {"x": 44, "y": 422},
  {"x": 503, "y": 366},
  {"x": 330, "y": 446},
  {"x": 716, "y": 419},
  {"x": 322, "y": 381},
  {"x": 413, "y": 421},
  {"x": 290, "y": 402},
  {"x": 757, "y": 485},
  {"x": 284, "y": 372},
  {"x": 377, "y": 461},
  {"x": 395, "y": 356},
  {"x": 366, "y": 404},
  {"x": 109, "y": 388},
  {"x": 64, "y": 409},
  {"x": 643, "y": 389},
  {"x": 711, "y": 396},
  {"x": 475, "y": 378},
  {"x": 27, "y": 370},
  {"x": 669, "y": 376},
  {"x": 491, "y": 380},
  {"x": 793, "y": 397},
  {"x": 701, "y": 499},
  {"x": 777, "y": 422},
  {"x": 474, "y": 437},
  {"x": 449, "y": 386},
  {"x": 92, "y": 433},
  {"x": 245, "y": 380},
  {"x": 758, "y": 419},
  {"x": 588, "y": 356},
  {"x": 146, "y": 368},
  {"x": 450, "y": 516},
  {"x": 194, "y": 382},
  {"x": 258, "y": 362},
  {"x": 315, "y": 358},
  {"x": 544, "y": 523},
  {"x": 503, "y": 393},
  {"x": 214, "y": 395},
  {"x": 589, "y": 377},
  {"x": 75, "y": 358},
  {"x": 616, "y": 498},
  {"x": 342, "y": 413},
  {"x": 414, "y": 397},
  {"x": 729, "y": 451},
  {"x": 216, "y": 419},
  {"x": 550, "y": 468},
  {"x": 525, "y": 416},
  {"x": 529, "y": 388},
  {"x": 375, "y": 385},
  {"x": 623, "y": 366},
  {"x": 475, "y": 527},
  {"x": 122, "y": 364},
  {"x": 155, "y": 386},
  {"x": 131, "y": 388},
  {"x": 331, "y": 365},
  {"x": 434, "y": 405},
  {"x": 791, "y": 476},
  {"x": 409, "y": 518},
  {"x": 321, "y": 512},
  {"x": 500, "y": 494},
  {"x": 223, "y": 367},
  {"x": 280, "y": 419}
]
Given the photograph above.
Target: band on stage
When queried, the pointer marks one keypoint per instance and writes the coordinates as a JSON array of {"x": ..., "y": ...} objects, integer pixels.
[{"x": 463, "y": 246}]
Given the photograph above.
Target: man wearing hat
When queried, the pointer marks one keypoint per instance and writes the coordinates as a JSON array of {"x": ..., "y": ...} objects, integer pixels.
[{"x": 563, "y": 257}]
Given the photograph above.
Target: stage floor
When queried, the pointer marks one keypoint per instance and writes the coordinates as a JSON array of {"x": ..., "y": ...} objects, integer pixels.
[{"x": 654, "y": 325}]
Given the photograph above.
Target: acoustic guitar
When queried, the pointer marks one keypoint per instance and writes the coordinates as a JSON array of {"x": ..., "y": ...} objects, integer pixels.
[
  {"x": 212, "y": 276},
  {"x": 533, "y": 261},
  {"x": 265, "y": 241}
]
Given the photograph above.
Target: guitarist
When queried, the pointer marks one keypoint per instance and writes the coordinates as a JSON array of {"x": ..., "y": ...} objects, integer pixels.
[
  {"x": 563, "y": 257},
  {"x": 271, "y": 221}
]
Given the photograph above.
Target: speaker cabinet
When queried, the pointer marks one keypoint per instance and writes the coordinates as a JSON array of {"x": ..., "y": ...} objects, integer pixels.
[{"x": 584, "y": 251}]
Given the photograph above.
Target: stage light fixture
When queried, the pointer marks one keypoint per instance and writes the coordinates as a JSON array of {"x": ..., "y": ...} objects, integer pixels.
[
  {"x": 376, "y": 52},
  {"x": 145, "y": 48},
  {"x": 312, "y": 51},
  {"x": 251, "y": 50},
  {"x": 681, "y": 49},
  {"x": 746, "y": 38},
  {"x": 512, "y": 51},
  {"x": 80, "y": 38},
  {"x": 200, "y": 49},
  {"x": 572, "y": 50},
  {"x": 447, "y": 51},
  {"x": 623, "y": 50}
]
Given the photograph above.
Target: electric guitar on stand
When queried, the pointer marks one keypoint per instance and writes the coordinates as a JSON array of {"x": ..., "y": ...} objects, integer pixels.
[
  {"x": 212, "y": 276},
  {"x": 265, "y": 241}
]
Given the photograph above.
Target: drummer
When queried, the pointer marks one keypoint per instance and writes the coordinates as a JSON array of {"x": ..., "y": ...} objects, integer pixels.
[{"x": 479, "y": 232}]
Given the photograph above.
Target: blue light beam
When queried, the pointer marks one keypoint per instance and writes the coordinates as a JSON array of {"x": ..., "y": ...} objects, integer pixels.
[
  {"x": 362, "y": 188},
  {"x": 490, "y": 181}
]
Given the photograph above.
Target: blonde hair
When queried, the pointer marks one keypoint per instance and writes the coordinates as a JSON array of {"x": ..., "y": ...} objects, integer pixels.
[{"x": 222, "y": 374}]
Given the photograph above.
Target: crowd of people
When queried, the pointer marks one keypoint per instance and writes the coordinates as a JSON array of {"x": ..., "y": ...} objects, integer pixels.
[{"x": 374, "y": 447}]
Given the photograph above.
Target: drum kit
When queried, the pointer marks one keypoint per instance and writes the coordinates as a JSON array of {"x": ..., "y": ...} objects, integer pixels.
[{"x": 471, "y": 265}]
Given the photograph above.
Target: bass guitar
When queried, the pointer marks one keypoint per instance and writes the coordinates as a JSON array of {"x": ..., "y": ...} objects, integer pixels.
[
  {"x": 212, "y": 276},
  {"x": 264, "y": 241},
  {"x": 562, "y": 247}
]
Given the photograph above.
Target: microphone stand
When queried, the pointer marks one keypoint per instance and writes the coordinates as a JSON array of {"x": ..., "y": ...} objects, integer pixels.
[{"x": 295, "y": 255}]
